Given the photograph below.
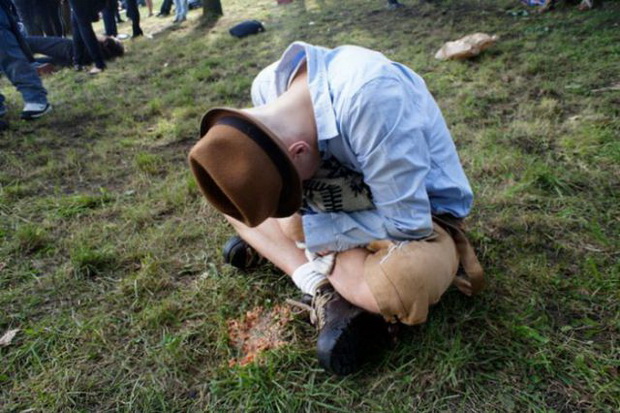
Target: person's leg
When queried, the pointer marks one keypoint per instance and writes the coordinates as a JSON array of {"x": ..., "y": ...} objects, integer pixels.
[
  {"x": 185, "y": 6},
  {"x": 109, "y": 20},
  {"x": 83, "y": 25},
  {"x": 79, "y": 49},
  {"x": 348, "y": 335},
  {"x": 348, "y": 279},
  {"x": 269, "y": 240},
  {"x": 59, "y": 49},
  {"x": 177, "y": 10},
  {"x": 149, "y": 6},
  {"x": 16, "y": 67},
  {"x": 117, "y": 14},
  {"x": 166, "y": 5},
  {"x": 56, "y": 18},
  {"x": 134, "y": 14},
  {"x": 405, "y": 278}
]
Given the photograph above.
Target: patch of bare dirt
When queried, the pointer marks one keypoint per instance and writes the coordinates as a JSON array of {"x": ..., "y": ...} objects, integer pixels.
[{"x": 258, "y": 331}]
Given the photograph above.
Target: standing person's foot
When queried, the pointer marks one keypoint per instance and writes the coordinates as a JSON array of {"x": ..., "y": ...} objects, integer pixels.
[
  {"x": 35, "y": 110},
  {"x": 137, "y": 34},
  {"x": 241, "y": 255},
  {"x": 96, "y": 70},
  {"x": 162, "y": 15},
  {"x": 348, "y": 335}
]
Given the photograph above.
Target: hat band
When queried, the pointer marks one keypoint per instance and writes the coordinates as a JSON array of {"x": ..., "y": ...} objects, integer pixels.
[{"x": 275, "y": 153}]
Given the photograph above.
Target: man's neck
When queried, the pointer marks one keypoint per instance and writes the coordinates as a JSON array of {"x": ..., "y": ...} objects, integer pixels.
[{"x": 291, "y": 115}]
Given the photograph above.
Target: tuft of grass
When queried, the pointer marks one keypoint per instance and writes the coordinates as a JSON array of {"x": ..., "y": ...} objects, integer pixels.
[
  {"x": 89, "y": 262},
  {"x": 30, "y": 238}
]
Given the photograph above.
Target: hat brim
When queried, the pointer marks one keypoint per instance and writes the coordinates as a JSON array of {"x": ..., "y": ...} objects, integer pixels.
[{"x": 291, "y": 195}]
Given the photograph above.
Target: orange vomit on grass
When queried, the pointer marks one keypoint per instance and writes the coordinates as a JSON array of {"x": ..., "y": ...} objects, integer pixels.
[{"x": 258, "y": 331}]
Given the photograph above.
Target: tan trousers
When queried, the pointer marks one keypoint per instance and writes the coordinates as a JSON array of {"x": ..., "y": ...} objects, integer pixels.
[{"x": 407, "y": 277}]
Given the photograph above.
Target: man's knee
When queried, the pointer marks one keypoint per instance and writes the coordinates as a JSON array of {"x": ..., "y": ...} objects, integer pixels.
[{"x": 407, "y": 278}]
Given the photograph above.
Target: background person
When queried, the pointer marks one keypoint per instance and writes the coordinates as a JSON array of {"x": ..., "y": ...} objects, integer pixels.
[
  {"x": 166, "y": 6},
  {"x": 133, "y": 13},
  {"x": 83, "y": 13},
  {"x": 15, "y": 63},
  {"x": 181, "y": 8},
  {"x": 59, "y": 50}
]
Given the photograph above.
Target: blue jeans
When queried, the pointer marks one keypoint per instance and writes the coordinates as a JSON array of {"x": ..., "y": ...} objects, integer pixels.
[
  {"x": 180, "y": 7},
  {"x": 16, "y": 67}
]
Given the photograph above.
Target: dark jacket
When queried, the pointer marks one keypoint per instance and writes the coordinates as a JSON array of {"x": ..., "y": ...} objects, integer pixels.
[{"x": 11, "y": 12}]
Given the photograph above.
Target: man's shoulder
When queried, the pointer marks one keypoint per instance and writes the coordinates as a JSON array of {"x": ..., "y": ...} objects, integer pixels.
[{"x": 355, "y": 68}]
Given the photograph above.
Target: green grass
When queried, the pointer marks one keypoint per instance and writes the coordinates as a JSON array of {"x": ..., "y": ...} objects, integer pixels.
[{"x": 110, "y": 259}]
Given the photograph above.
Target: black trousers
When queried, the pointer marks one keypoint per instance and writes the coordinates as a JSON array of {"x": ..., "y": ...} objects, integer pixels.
[
  {"x": 84, "y": 38},
  {"x": 165, "y": 7},
  {"x": 134, "y": 14}
]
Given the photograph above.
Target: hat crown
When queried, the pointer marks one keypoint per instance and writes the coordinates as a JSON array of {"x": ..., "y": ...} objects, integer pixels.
[{"x": 243, "y": 169}]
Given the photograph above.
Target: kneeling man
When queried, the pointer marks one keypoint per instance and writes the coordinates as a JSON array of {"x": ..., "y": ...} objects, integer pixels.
[{"x": 344, "y": 175}]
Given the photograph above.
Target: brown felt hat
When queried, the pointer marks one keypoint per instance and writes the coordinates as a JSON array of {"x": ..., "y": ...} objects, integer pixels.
[{"x": 243, "y": 169}]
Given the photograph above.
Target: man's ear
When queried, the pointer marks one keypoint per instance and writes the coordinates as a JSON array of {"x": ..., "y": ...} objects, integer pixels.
[{"x": 297, "y": 149}]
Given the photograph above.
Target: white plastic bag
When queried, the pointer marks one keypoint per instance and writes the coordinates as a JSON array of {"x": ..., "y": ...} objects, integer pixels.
[{"x": 466, "y": 47}]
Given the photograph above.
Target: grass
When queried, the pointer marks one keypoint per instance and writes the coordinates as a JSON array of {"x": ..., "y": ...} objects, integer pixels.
[{"x": 109, "y": 257}]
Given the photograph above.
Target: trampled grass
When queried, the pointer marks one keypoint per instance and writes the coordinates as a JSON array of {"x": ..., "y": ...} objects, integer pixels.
[{"x": 110, "y": 259}]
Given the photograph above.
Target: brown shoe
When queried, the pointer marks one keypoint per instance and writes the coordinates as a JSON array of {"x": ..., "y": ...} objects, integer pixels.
[{"x": 348, "y": 335}]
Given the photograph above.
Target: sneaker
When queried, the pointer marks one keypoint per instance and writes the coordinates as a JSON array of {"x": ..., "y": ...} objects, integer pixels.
[
  {"x": 241, "y": 255},
  {"x": 348, "y": 335},
  {"x": 35, "y": 110},
  {"x": 95, "y": 70}
]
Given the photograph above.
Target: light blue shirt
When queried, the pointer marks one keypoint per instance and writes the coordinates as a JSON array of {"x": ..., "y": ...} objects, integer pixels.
[{"x": 378, "y": 118}]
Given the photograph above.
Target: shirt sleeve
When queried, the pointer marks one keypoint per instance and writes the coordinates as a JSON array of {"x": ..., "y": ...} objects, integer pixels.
[{"x": 384, "y": 127}]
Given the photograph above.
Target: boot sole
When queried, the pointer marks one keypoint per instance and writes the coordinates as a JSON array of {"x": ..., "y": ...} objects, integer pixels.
[{"x": 344, "y": 349}]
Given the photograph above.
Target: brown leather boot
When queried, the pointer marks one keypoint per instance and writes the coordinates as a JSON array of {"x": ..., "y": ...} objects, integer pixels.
[{"x": 348, "y": 335}]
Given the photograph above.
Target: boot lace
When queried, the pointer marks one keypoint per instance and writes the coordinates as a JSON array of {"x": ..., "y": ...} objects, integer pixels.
[{"x": 317, "y": 310}]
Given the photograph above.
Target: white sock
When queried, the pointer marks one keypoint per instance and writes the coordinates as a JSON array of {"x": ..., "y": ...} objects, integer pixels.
[{"x": 307, "y": 279}]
